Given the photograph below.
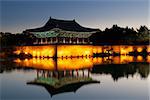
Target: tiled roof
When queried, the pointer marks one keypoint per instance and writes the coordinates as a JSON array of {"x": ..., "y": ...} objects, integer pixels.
[{"x": 67, "y": 25}]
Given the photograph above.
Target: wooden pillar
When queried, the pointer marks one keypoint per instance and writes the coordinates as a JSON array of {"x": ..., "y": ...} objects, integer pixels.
[
  {"x": 37, "y": 73},
  {"x": 46, "y": 41},
  {"x": 36, "y": 41},
  {"x": 41, "y": 41},
  {"x": 77, "y": 72},
  {"x": 70, "y": 40},
  {"x": 77, "y": 40},
  {"x": 88, "y": 72},
  {"x": 64, "y": 73},
  {"x": 72, "y": 72},
  {"x": 88, "y": 40},
  {"x": 83, "y": 72},
  {"x": 56, "y": 40},
  {"x": 51, "y": 40},
  {"x": 82, "y": 40},
  {"x": 64, "y": 40}
]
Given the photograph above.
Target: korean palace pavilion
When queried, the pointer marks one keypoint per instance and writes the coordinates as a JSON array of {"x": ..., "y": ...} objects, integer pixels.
[{"x": 57, "y": 31}]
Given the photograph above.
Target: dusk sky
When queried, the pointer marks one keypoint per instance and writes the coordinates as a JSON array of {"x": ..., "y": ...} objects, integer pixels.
[{"x": 17, "y": 16}]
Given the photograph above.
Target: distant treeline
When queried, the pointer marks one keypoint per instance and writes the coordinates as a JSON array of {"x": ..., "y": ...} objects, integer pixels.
[
  {"x": 118, "y": 35},
  {"x": 112, "y": 36},
  {"x": 9, "y": 39}
]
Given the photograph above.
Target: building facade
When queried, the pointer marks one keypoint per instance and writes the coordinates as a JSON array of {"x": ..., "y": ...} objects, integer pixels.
[{"x": 61, "y": 32}]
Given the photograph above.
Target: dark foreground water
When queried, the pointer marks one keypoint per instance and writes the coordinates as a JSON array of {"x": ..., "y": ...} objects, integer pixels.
[
  {"x": 82, "y": 77},
  {"x": 87, "y": 78}
]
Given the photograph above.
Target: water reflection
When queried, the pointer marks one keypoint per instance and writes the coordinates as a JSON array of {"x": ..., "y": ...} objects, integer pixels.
[
  {"x": 76, "y": 68},
  {"x": 117, "y": 67},
  {"x": 118, "y": 71},
  {"x": 79, "y": 50},
  {"x": 56, "y": 82},
  {"x": 121, "y": 63}
]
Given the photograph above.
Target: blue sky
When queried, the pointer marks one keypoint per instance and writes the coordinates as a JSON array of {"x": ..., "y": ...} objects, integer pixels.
[{"x": 17, "y": 16}]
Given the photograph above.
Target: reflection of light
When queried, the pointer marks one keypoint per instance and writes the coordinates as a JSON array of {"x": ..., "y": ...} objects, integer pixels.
[
  {"x": 148, "y": 59},
  {"x": 116, "y": 49},
  {"x": 36, "y": 63},
  {"x": 139, "y": 49},
  {"x": 139, "y": 58},
  {"x": 94, "y": 50},
  {"x": 130, "y": 49},
  {"x": 17, "y": 60},
  {"x": 97, "y": 61},
  {"x": 130, "y": 59},
  {"x": 74, "y": 50},
  {"x": 148, "y": 48},
  {"x": 87, "y": 52},
  {"x": 17, "y": 52},
  {"x": 122, "y": 59},
  {"x": 126, "y": 59},
  {"x": 26, "y": 60},
  {"x": 39, "y": 51},
  {"x": 97, "y": 49},
  {"x": 123, "y": 51},
  {"x": 116, "y": 60},
  {"x": 34, "y": 53},
  {"x": 126, "y": 49},
  {"x": 75, "y": 63}
]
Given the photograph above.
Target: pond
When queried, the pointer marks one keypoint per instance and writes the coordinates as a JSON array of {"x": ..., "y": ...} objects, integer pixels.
[{"x": 76, "y": 74}]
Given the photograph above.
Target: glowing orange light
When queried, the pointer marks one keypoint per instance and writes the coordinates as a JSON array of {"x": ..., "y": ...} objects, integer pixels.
[
  {"x": 148, "y": 49},
  {"x": 123, "y": 51},
  {"x": 139, "y": 58},
  {"x": 26, "y": 52},
  {"x": 148, "y": 59},
  {"x": 37, "y": 63},
  {"x": 17, "y": 60},
  {"x": 139, "y": 49},
  {"x": 26, "y": 60},
  {"x": 75, "y": 63}
]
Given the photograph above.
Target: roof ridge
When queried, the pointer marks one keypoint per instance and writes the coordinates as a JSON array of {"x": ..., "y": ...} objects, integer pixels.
[{"x": 73, "y": 20}]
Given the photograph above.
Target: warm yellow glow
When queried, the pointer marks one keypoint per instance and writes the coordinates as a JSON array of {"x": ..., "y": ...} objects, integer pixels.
[
  {"x": 116, "y": 49},
  {"x": 97, "y": 49},
  {"x": 122, "y": 49},
  {"x": 17, "y": 60},
  {"x": 74, "y": 50},
  {"x": 38, "y": 51},
  {"x": 125, "y": 49},
  {"x": 97, "y": 61},
  {"x": 126, "y": 59},
  {"x": 48, "y": 64},
  {"x": 148, "y": 49},
  {"x": 75, "y": 63},
  {"x": 17, "y": 52},
  {"x": 139, "y": 58},
  {"x": 116, "y": 60},
  {"x": 68, "y": 51},
  {"x": 26, "y": 60},
  {"x": 122, "y": 59},
  {"x": 26, "y": 52},
  {"x": 139, "y": 49},
  {"x": 148, "y": 59}
]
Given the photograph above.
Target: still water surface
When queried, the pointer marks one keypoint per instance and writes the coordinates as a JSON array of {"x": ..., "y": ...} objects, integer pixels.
[{"x": 121, "y": 77}]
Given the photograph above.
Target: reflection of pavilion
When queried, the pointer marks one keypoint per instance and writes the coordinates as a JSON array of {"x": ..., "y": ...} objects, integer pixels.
[{"x": 57, "y": 82}]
